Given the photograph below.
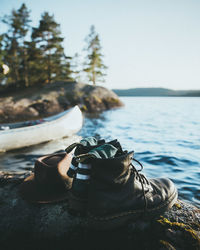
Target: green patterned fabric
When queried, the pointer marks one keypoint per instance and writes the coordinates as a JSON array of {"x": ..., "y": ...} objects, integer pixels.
[
  {"x": 89, "y": 141},
  {"x": 104, "y": 151},
  {"x": 86, "y": 142}
]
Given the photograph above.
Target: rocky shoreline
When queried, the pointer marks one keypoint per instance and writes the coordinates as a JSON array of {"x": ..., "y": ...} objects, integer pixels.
[
  {"x": 50, "y": 226},
  {"x": 35, "y": 103}
]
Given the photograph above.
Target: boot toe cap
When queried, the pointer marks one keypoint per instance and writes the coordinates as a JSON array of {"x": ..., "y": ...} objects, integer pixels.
[{"x": 164, "y": 187}]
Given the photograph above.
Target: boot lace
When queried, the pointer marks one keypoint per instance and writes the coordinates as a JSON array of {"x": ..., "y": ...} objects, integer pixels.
[{"x": 143, "y": 180}]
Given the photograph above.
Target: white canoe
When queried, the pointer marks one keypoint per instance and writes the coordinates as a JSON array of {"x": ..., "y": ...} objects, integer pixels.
[{"x": 20, "y": 135}]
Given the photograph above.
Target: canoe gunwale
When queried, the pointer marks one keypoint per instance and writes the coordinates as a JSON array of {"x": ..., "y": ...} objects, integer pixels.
[
  {"x": 43, "y": 124},
  {"x": 66, "y": 125}
]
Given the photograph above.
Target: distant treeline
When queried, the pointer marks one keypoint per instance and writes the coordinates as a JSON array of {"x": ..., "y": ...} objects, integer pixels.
[
  {"x": 155, "y": 92},
  {"x": 35, "y": 55}
]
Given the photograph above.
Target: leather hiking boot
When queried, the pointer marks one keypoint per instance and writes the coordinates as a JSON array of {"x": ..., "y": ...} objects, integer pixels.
[
  {"x": 49, "y": 182},
  {"x": 78, "y": 197},
  {"x": 118, "y": 193}
]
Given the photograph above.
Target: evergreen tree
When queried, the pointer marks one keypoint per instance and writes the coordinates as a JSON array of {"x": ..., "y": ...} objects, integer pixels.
[
  {"x": 1, "y": 59},
  {"x": 66, "y": 69},
  {"x": 51, "y": 63},
  {"x": 24, "y": 13},
  {"x": 15, "y": 45},
  {"x": 34, "y": 62},
  {"x": 2, "y": 53},
  {"x": 94, "y": 66},
  {"x": 76, "y": 67}
]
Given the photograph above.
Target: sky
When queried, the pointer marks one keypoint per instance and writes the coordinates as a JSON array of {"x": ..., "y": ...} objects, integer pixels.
[{"x": 146, "y": 43}]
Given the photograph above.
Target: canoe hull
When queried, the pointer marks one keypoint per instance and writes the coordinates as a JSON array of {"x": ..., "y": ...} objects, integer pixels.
[{"x": 68, "y": 124}]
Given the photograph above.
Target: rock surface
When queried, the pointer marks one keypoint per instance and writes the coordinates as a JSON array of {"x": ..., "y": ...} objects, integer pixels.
[
  {"x": 35, "y": 103},
  {"x": 51, "y": 226}
]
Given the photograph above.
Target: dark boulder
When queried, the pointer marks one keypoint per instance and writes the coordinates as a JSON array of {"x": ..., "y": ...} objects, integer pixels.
[{"x": 51, "y": 226}]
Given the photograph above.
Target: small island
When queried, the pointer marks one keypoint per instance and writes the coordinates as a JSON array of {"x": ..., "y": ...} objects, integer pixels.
[
  {"x": 34, "y": 103},
  {"x": 37, "y": 77}
]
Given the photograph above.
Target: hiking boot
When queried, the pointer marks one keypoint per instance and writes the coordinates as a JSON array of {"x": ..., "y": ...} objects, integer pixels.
[
  {"x": 78, "y": 197},
  {"x": 49, "y": 182},
  {"x": 118, "y": 193}
]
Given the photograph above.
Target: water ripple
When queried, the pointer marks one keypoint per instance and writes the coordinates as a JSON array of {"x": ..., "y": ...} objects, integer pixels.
[{"x": 164, "y": 134}]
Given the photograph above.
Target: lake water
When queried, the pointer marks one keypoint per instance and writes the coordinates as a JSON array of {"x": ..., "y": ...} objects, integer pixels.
[{"x": 164, "y": 132}]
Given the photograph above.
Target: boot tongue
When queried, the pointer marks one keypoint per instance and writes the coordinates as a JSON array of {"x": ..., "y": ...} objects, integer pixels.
[{"x": 104, "y": 151}]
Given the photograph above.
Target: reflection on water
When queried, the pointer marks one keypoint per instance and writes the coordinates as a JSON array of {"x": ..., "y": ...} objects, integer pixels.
[{"x": 163, "y": 132}]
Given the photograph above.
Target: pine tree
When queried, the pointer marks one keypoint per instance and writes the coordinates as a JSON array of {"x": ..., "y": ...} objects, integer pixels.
[
  {"x": 66, "y": 69},
  {"x": 1, "y": 59},
  {"x": 15, "y": 45},
  {"x": 76, "y": 67},
  {"x": 2, "y": 53},
  {"x": 94, "y": 66},
  {"x": 34, "y": 62},
  {"x": 23, "y": 14},
  {"x": 51, "y": 63}
]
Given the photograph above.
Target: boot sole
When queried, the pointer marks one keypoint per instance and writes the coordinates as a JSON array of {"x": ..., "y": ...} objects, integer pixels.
[{"x": 118, "y": 220}]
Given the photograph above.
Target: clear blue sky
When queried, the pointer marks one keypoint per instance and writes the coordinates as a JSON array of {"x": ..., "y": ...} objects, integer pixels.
[{"x": 146, "y": 43}]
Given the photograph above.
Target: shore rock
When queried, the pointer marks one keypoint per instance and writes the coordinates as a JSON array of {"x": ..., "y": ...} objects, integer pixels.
[
  {"x": 51, "y": 226},
  {"x": 34, "y": 103}
]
